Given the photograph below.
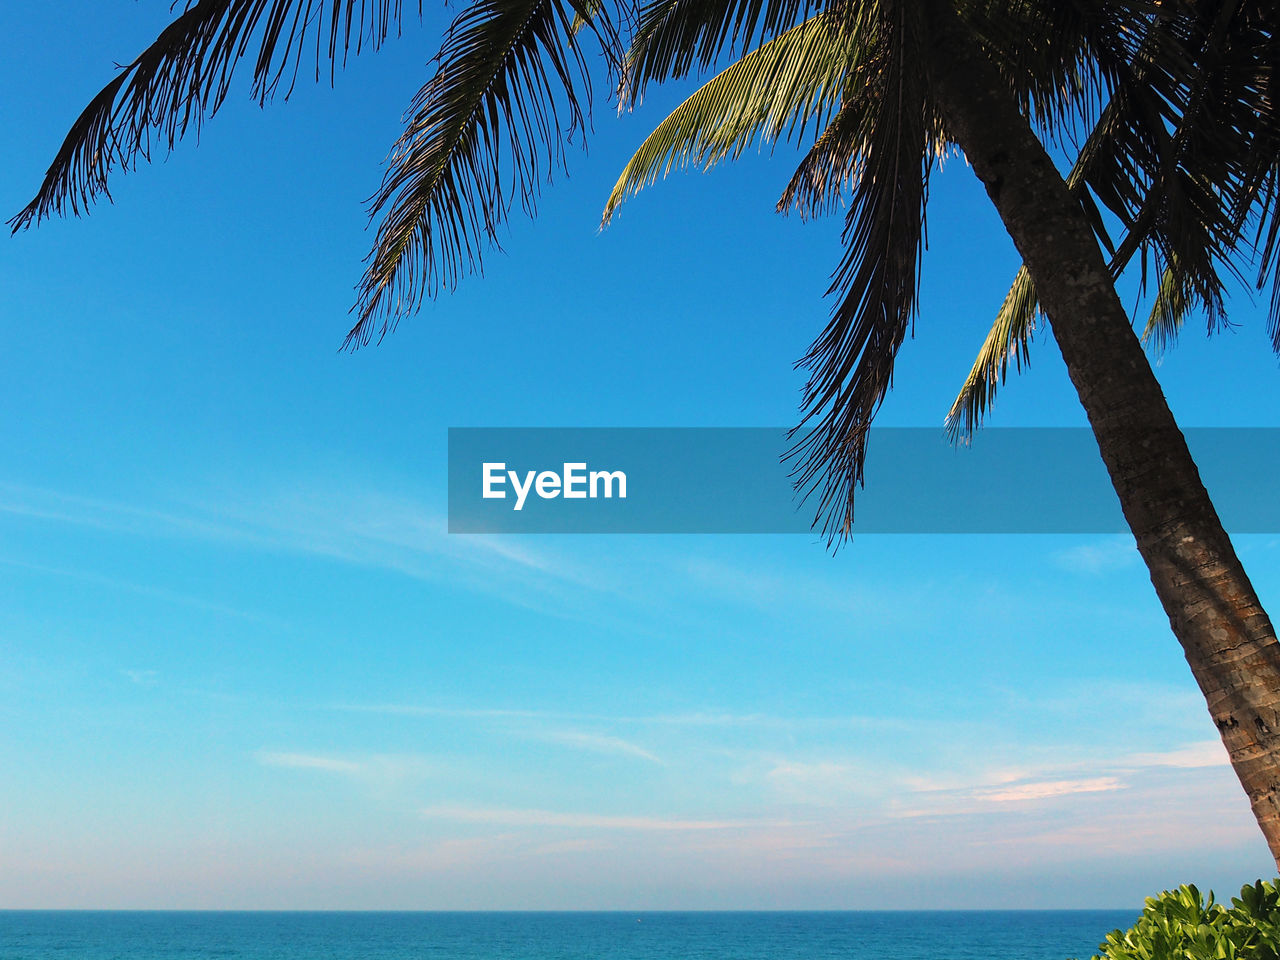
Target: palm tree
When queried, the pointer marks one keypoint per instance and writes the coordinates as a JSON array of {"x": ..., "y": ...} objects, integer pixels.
[
  {"x": 1227, "y": 88},
  {"x": 885, "y": 88}
]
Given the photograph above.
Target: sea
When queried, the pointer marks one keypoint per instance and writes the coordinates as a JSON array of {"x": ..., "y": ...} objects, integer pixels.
[{"x": 896, "y": 935}]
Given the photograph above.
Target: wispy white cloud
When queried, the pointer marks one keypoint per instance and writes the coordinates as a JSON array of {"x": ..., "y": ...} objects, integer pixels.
[
  {"x": 527, "y": 724},
  {"x": 370, "y": 527},
  {"x": 708, "y": 718},
  {"x": 950, "y": 794},
  {"x": 348, "y": 523},
  {"x": 766, "y": 721},
  {"x": 953, "y": 782},
  {"x": 381, "y": 770},
  {"x": 1047, "y": 789},
  {"x": 825, "y": 783},
  {"x": 499, "y": 816},
  {"x": 1206, "y": 753},
  {"x": 114, "y": 583},
  {"x": 596, "y": 743},
  {"x": 355, "y": 524},
  {"x": 1103, "y": 556},
  {"x": 36, "y": 503},
  {"x": 308, "y": 761},
  {"x": 712, "y": 719},
  {"x": 464, "y": 713},
  {"x": 143, "y": 678},
  {"x": 1090, "y": 772}
]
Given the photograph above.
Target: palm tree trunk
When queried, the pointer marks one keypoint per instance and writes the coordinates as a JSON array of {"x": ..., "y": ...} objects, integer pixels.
[{"x": 1227, "y": 637}]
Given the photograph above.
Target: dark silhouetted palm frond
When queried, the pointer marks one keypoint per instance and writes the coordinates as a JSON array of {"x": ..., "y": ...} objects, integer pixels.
[
  {"x": 511, "y": 86},
  {"x": 831, "y": 166},
  {"x": 851, "y": 363},
  {"x": 185, "y": 75}
]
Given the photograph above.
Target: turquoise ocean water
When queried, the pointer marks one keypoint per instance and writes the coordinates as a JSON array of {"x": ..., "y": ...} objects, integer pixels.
[{"x": 959, "y": 935}]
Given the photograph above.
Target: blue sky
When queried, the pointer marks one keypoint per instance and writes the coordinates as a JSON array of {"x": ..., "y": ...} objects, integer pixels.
[{"x": 243, "y": 665}]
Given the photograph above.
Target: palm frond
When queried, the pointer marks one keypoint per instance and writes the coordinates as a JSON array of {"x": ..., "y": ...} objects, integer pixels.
[
  {"x": 832, "y": 165},
  {"x": 1268, "y": 240},
  {"x": 184, "y": 77},
  {"x": 1265, "y": 201},
  {"x": 675, "y": 36},
  {"x": 780, "y": 88},
  {"x": 1187, "y": 180},
  {"x": 1060, "y": 59},
  {"x": 510, "y": 88},
  {"x": 851, "y": 362},
  {"x": 1173, "y": 302},
  {"x": 1008, "y": 340}
]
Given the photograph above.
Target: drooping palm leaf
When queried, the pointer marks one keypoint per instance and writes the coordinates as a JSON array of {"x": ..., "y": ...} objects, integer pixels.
[
  {"x": 851, "y": 362},
  {"x": 1169, "y": 310},
  {"x": 184, "y": 77},
  {"x": 1268, "y": 240},
  {"x": 510, "y": 87},
  {"x": 782, "y": 87},
  {"x": 1131, "y": 107},
  {"x": 1189, "y": 191},
  {"x": 831, "y": 166},
  {"x": 1008, "y": 341}
]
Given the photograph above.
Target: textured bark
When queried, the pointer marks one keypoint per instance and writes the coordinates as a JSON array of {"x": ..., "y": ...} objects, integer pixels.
[{"x": 1227, "y": 637}]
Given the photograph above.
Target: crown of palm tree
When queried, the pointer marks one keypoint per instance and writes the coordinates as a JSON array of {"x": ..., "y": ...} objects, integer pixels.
[{"x": 1182, "y": 153}]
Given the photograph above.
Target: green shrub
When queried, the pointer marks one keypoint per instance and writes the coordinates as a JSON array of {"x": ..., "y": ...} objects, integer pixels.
[{"x": 1181, "y": 925}]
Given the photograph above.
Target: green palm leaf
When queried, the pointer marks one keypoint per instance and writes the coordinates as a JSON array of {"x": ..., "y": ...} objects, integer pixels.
[
  {"x": 780, "y": 88},
  {"x": 1008, "y": 340},
  {"x": 673, "y": 36},
  {"x": 1173, "y": 302}
]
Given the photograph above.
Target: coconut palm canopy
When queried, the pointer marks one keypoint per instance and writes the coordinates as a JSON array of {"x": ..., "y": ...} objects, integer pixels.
[
  {"x": 1172, "y": 96},
  {"x": 1167, "y": 108}
]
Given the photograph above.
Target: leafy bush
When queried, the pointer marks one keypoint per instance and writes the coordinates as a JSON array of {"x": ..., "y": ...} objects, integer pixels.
[{"x": 1181, "y": 925}]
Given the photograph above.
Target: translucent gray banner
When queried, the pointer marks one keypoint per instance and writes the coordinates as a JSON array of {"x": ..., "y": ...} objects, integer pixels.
[{"x": 732, "y": 480}]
